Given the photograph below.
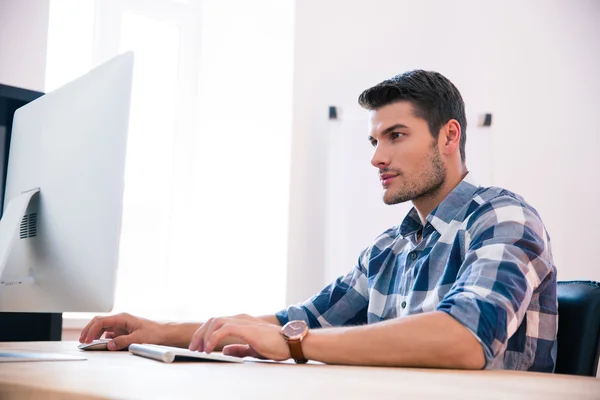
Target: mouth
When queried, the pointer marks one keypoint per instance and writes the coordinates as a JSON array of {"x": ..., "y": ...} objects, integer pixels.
[{"x": 387, "y": 178}]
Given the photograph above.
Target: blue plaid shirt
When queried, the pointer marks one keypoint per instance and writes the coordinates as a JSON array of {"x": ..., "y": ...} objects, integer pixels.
[{"x": 484, "y": 259}]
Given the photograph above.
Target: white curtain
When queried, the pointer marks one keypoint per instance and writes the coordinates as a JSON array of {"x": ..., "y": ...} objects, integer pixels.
[{"x": 207, "y": 172}]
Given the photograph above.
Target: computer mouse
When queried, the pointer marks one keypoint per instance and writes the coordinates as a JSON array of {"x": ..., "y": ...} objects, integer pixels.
[{"x": 99, "y": 344}]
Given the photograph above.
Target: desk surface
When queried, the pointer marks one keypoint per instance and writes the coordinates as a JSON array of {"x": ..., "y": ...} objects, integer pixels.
[{"x": 125, "y": 376}]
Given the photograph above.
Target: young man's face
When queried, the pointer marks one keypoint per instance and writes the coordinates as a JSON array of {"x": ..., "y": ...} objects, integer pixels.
[{"x": 406, "y": 154}]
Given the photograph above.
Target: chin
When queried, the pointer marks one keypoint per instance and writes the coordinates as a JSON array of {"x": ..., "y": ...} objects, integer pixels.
[{"x": 390, "y": 199}]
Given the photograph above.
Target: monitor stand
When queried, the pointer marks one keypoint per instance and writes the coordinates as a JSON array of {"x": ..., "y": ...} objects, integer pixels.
[
  {"x": 15, "y": 326},
  {"x": 20, "y": 326},
  {"x": 30, "y": 327},
  {"x": 10, "y": 225}
]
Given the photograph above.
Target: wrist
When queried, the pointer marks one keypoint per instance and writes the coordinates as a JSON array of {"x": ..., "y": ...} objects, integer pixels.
[
  {"x": 326, "y": 345},
  {"x": 167, "y": 335},
  {"x": 177, "y": 334},
  {"x": 313, "y": 343}
]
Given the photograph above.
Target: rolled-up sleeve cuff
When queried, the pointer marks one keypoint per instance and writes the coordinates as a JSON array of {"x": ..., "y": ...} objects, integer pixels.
[
  {"x": 297, "y": 312},
  {"x": 480, "y": 322},
  {"x": 282, "y": 316}
]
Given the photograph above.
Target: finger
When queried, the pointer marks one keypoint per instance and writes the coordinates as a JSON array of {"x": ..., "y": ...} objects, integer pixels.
[
  {"x": 96, "y": 327},
  {"x": 226, "y": 330},
  {"x": 110, "y": 335},
  {"x": 92, "y": 329},
  {"x": 99, "y": 325},
  {"x": 216, "y": 324},
  {"x": 86, "y": 329},
  {"x": 196, "y": 343},
  {"x": 122, "y": 342},
  {"x": 241, "y": 350},
  {"x": 197, "y": 336},
  {"x": 99, "y": 334}
]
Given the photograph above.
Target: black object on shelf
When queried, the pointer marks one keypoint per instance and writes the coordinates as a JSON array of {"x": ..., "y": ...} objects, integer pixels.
[
  {"x": 16, "y": 327},
  {"x": 333, "y": 112}
]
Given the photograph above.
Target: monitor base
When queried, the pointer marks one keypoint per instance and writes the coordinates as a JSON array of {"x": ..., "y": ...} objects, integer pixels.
[{"x": 10, "y": 224}]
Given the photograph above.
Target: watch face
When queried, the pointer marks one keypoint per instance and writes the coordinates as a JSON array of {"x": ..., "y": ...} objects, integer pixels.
[{"x": 295, "y": 329}]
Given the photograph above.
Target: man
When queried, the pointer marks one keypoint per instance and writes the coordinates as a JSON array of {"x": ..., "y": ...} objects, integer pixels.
[{"x": 466, "y": 280}]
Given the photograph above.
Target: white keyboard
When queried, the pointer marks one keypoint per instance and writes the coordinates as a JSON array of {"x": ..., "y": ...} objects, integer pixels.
[{"x": 169, "y": 354}]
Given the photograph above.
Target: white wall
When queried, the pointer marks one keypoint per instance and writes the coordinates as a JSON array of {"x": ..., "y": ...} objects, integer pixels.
[
  {"x": 23, "y": 37},
  {"x": 534, "y": 64}
]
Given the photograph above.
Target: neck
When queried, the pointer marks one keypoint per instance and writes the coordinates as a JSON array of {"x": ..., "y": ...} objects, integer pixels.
[{"x": 427, "y": 203}]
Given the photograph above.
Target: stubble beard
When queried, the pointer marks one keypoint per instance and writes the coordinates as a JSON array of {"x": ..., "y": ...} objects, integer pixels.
[{"x": 426, "y": 185}]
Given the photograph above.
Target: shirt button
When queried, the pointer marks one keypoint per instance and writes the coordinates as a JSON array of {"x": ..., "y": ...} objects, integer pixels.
[
  {"x": 403, "y": 304},
  {"x": 413, "y": 256}
]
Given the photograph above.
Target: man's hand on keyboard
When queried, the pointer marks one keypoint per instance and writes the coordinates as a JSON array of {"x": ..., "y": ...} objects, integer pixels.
[
  {"x": 124, "y": 329},
  {"x": 264, "y": 340}
]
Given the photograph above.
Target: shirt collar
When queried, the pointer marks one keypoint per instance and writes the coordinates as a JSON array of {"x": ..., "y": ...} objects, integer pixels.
[
  {"x": 442, "y": 215},
  {"x": 411, "y": 223}
]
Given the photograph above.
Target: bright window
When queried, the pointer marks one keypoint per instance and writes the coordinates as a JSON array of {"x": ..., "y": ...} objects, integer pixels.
[{"x": 207, "y": 172}]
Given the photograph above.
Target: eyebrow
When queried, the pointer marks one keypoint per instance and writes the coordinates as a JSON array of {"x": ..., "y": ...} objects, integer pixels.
[{"x": 389, "y": 130}]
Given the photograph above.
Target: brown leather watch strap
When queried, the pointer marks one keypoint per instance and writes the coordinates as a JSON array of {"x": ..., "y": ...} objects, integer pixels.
[{"x": 296, "y": 351}]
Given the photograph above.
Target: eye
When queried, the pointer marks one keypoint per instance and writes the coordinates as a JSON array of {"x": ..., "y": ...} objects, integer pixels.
[
  {"x": 396, "y": 135},
  {"x": 373, "y": 142}
]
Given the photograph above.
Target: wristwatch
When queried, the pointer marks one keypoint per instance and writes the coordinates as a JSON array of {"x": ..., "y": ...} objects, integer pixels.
[{"x": 293, "y": 332}]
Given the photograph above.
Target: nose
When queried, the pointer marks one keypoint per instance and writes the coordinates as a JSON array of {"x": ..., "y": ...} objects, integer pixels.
[{"x": 381, "y": 158}]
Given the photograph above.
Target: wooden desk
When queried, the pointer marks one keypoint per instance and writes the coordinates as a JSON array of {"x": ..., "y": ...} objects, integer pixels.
[{"x": 125, "y": 376}]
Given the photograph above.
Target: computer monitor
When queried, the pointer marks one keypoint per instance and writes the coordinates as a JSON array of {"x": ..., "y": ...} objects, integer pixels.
[{"x": 61, "y": 244}]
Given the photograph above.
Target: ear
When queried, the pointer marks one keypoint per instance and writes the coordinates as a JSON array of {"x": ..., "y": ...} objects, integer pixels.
[{"x": 449, "y": 138}]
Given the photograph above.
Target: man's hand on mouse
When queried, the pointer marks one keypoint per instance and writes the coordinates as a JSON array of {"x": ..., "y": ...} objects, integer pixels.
[
  {"x": 264, "y": 340},
  {"x": 124, "y": 329}
]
